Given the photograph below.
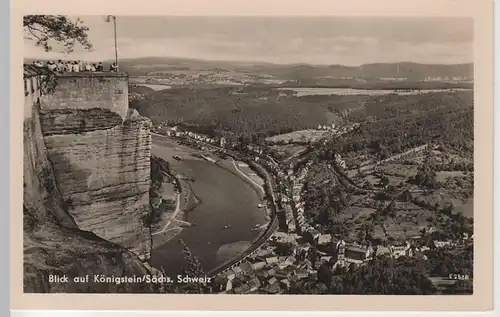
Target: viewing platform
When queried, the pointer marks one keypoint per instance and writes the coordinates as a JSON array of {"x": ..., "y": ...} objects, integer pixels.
[{"x": 78, "y": 90}]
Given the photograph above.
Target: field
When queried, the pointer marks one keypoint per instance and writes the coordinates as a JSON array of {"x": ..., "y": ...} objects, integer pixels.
[
  {"x": 285, "y": 151},
  {"x": 303, "y": 136}
]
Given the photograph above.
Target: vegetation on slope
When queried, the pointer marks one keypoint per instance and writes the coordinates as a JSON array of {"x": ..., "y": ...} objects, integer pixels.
[
  {"x": 254, "y": 113},
  {"x": 372, "y": 206},
  {"x": 393, "y": 124}
]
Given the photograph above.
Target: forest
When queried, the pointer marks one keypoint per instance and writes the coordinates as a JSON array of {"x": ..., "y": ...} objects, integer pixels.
[
  {"x": 387, "y": 276},
  {"x": 382, "y": 276},
  {"x": 393, "y": 124},
  {"x": 252, "y": 112}
]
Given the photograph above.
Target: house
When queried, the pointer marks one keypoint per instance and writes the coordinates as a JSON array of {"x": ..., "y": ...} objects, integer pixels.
[
  {"x": 422, "y": 248},
  {"x": 301, "y": 274},
  {"x": 262, "y": 274},
  {"x": 442, "y": 244},
  {"x": 272, "y": 280},
  {"x": 290, "y": 259},
  {"x": 243, "y": 289},
  {"x": 401, "y": 250},
  {"x": 382, "y": 250},
  {"x": 230, "y": 275},
  {"x": 237, "y": 270},
  {"x": 258, "y": 265},
  {"x": 280, "y": 274},
  {"x": 340, "y": 247},
  {"x": 285, "y": 282},
  {"x": 263, "y": 253},
  {"x": 294, "y": 279},
  {"x": 305, "y": 264},
  {"x": 272, "y": 288},
  {"x": 246, "y": 267},
  {"x": 370, "y": 253},
  {"x": 312, "y": 235},
  {"x": 229, "y": 285},
  {"x": 304, "y": 248},
  {"x": 324, "y": 239},
  {"x": 156, "y": 202},
  {"x": 272, "y": 260},
  {"x": 355, "y": 254},
  {"x": 416, "y": 239},
  {"x": 253, "y": 284}
]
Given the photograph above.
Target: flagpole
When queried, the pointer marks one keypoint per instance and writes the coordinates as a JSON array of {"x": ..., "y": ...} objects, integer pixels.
[{"x": 116, "y": 47}]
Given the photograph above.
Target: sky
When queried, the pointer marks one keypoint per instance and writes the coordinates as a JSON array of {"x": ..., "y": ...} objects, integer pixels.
[{"x": 281, "y": 40}]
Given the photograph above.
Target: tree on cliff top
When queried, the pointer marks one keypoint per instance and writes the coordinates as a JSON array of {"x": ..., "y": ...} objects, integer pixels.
[{"x": 58, "y": 28}]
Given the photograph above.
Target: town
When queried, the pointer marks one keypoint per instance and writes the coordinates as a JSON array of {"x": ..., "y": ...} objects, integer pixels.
[{"x": 294, "y": 252}]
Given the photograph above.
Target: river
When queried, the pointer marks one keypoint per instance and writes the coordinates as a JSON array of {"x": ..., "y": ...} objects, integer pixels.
[
  {"x": 225, "y": 199},
  {"x": 155, "y": 87},
  {"x": 304, "y": 91}
]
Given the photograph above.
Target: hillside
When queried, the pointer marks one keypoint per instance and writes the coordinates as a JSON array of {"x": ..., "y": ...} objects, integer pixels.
[
  {"x": 397, "y": 187},
  {"x": 249, "y": 111}
]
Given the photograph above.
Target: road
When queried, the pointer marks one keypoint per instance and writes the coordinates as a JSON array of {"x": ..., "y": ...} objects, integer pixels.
[
  {"x": 176, "y": 211},
  {"x": 369, "y": 167},
  {"x": 246, "y": 176}
]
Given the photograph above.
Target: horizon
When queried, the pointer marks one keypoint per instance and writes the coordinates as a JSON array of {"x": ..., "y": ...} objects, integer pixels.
[
  {"x": 111, "y": 60},
  {"x": 318, "y": 41}
]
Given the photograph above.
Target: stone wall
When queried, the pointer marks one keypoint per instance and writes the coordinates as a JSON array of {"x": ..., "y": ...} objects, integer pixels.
[
  {"x": 85, "y": 90},
  {"x": 31, "y": 94}
]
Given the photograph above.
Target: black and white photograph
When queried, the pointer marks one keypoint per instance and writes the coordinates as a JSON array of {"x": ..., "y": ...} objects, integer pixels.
[{"x": 248, "y": 155}]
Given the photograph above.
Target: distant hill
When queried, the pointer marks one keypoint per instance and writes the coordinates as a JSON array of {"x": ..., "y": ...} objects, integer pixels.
[
  {"x": 409, "y": 70},
  {"x": 297, "y": 72}
]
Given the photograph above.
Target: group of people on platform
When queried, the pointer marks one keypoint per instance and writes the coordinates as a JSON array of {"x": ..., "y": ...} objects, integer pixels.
[{"x": 75, "y": 66}]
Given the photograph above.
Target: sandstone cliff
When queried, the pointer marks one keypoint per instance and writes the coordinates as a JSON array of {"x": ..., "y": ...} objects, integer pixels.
[
  {"x": 102, "y": 167},
  {"x": 53, "y": 243},
  {"x": 99, "y": 150}
]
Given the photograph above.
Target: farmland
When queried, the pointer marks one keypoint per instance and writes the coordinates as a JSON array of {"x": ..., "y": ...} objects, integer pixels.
[{"x": 429, "y": 190}]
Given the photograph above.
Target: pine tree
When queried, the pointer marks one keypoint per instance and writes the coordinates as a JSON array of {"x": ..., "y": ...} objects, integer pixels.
[{"x": 194, "y": 268}]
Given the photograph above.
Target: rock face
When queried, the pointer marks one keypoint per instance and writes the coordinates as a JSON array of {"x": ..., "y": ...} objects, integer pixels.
[
  {"x": 53, "y": 243},
  {"x": 104, "y": 177},
  {"x": 100, "y": 154}
]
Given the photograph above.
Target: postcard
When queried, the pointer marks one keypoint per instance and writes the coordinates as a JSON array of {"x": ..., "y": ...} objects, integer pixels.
[{"x": 235, "y": 155}]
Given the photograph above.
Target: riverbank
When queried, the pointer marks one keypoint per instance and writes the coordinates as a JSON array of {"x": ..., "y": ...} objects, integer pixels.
[
  {"x": 222, "y": 197},
  {"x": 232, "y": 167},
  {"x": 173, "y": 225}
]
